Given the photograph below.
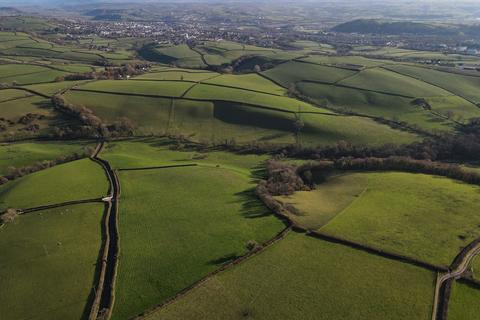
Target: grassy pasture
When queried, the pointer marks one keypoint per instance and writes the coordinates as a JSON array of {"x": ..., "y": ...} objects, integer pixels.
[
  {"x": 389, "y": 82},
  {"x": 50, "y": 89},
  {"x": 321, "y": 205},
  {"x": 386, "y": 106},
  {"x": 426, "y": 217},
  {"x": 248, "y": 81},
  {"x": 463, "y": 86},
  {"x": 26, "y": 153},
  {"x": 48, "y": 263},
  {"x": 476, "y": 268},
  {"x": 305, "y": 278},
  {"x": 55, "y": 185},
  {"x": 207, "y": 92},
  {"x": 196, "y": 217},
  {"x": 10, "y": 94},
  {"x": 176, "y": 75},
  {"x": 464, "y": 302},
  {"x": 14, "y": 109},
  {"x": 201, "y": 121},
  {"x": 293, "y": 72},
  {"x": 155, "y": 88},
  {"x": 322, "y": 129},
  {"x": 346, "y": 61},
  {"x": 151, "y": 152}
]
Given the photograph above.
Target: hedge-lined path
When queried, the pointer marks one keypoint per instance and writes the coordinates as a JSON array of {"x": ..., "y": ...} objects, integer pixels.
[
  {"x": 104, "y": 300},
  {"x": 444, "y": 281}
]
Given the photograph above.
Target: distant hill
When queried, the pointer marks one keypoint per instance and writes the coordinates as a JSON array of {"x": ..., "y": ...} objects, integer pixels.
[
  {"x": 9, "y": 11},
  {"x": 370, "y": 26}
]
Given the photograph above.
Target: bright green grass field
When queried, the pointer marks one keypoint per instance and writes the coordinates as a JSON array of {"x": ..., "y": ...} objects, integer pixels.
[
  {"x": 152, "y": 152},
  {"x": 426, "y": 217},
  {"x": 293, "y": 72},
  {"x": 322, "y": 129},
  {"x": 176, "y": 75},
  {"x": 55, "y": 185},
  {"x": 179, "y": 224},
  {"x": 48, "y": 263},
  {"x": 386, "y": 106},
  {"x": 51, "y": 89},
  {"x": 386, "y": 81},
  {"x": 26, "y": 153},
  {"x": 464, "y": 302},
  {"x": 156, "y": 88},
  {"x": 207, "y": 92},
  {"x": 248, "y": 81},
  {"x": 464, "y": 86},
  {"x": 200, "y": 121},
  {"x": 346, "y": 60},
  {"x": 305, "y": 278}
]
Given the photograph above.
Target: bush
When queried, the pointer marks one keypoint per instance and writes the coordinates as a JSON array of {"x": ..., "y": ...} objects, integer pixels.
[{"x": 9, "y": 216}]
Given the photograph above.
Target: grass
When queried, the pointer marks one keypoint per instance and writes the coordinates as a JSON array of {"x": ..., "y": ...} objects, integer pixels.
[
  {"x": 305, "y": 278},
  {"x": 243, "y": 96},
  {"x": 201, "y": 121},
  {"x": 387, "y": 106},
  {"x": 321, "y": 205},
  {"x": 346, "y": 61},
  {"x": 197, "y": 218},
  {"x": 55, "y": 185},
  {"x": 461, "y": 85},
  {"x": 172, "y": 74},
  {"x": 464, "y": 302},
  {"x": 10, "y": 94},
  {"x": 27, "y": 153},
  {"x": 48, "y": 263},
  {"x": 293, "y": 72},
  {"x": 323, "y": 130},
  {"x": 155, "y": 88},
  {"x": 389, "y": 82},
  {"x": 50, "y": 89},
  {"x": 248, "y": 81},
  {"x": 15, "y": 109},
  {"x": 151, "y": 152},
  {"x": 476, "y": 268},
  {"x": 426, "y": 217}
]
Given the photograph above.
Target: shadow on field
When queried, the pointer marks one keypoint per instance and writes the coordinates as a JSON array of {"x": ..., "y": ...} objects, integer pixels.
[
  {"x": 225, "y": 259},
  {"x": 252, "y": 207}
]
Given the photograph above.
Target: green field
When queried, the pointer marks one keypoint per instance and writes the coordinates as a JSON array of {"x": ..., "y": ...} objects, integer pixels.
[
  {"x": 152, "y": 152},
  {"x": 322, "y": 129},
  {"x": 463, "y": 86},
  {"x": 389, "y": 82},
  {"x": 27, "y": 153},
  {"x": 154, "y": 88},
  {"x": 426, "y": 217},
  {"x": 464, "y": 302},
  {"x": 388, "y": 106},
  {"x": 49, "y": 262},
  {"x": 55, "y": 185},
  {"x": 248, "y": 81},
  {"x": 172, "y": 74},
  {"x": 292, "y": 72},
  {"x": 51, "y": 89},
  {"x": 321, "y": 205},
  {"x": 178, "y": 225},
  {"x": 305, "y": 278}
]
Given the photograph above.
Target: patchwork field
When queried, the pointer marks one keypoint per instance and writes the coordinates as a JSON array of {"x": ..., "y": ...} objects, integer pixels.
[
  {"x": 195, "y": 216},
  {"x": 426, "y": 217},
  {"x": 27, "y": 153},
  {"x": 49, "y": 262},
  {"x": 55, "y": 185},
  {"x": 303, "y": 278}
]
